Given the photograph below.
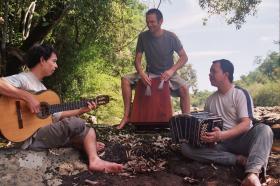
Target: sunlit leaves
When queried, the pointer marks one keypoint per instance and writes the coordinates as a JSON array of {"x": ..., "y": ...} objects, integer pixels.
[{"x": 234, "y": 11}]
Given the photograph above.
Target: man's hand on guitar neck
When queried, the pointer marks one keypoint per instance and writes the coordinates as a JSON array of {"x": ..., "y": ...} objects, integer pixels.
[{"x": 91, "y": 106}]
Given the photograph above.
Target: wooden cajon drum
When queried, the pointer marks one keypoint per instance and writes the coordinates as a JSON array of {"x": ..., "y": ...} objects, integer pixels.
[{"x": 155, "y": 110}]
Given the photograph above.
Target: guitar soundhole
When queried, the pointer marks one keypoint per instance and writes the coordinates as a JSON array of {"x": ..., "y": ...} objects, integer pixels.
[{"x": 44, "y": 110}]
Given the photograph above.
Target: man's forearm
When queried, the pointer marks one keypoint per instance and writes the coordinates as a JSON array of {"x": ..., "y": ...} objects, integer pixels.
[
  {"x": 138, "y": 68},
  {"x": 240, "y": 128},
  {"x": 180, "y": 63},
  {"x": 11, "y": 91},
  {"x": 137, "y": 63},
  {"x": 183, "y": 58}
]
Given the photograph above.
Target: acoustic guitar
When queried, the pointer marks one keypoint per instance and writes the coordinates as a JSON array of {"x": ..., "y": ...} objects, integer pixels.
[{"x": 17, "y": 123}]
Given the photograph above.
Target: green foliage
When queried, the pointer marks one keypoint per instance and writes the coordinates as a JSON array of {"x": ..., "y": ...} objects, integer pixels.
[
  {"x": 234, "y": 11},
  {"x": 189, "y": 74},
  {"x": 266, "y": 94},
  {"x": 198, "y": 99},
  {"x": 95, "y": 43},
  {"x": 103, "y": 33},
  {"x": 16, "y": 13},
  {"x": 264, "y": 82},
  {"x": 89, "y": 82}
]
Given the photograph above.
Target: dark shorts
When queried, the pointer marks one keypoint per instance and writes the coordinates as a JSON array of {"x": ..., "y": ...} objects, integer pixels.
[
  {"x": 175, "y": 82},
  {"x": 59, "y": 134}
]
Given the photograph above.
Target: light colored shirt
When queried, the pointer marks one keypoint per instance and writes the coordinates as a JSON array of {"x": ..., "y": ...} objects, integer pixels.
[
  {"x": 232, "y": 106},
  {"x": 26, "y": 81}
]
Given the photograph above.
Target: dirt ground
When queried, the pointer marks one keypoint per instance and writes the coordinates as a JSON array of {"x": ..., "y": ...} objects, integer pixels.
[{"x": 151, "y": 159}]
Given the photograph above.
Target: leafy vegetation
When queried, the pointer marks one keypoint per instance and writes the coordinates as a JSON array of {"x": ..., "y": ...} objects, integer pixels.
[
  {"x": 234, "y": 11},
  {"x": 264, "y": 82},
  {"x": 198, "y": 99},
  {"x": 96, "y": 65}
]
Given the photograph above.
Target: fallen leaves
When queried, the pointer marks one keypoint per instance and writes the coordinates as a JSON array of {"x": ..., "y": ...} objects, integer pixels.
[{"x": 144, "y": 152}]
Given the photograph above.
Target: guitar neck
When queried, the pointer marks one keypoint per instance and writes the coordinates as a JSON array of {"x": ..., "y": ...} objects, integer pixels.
[{"x": 68, "y": 106}]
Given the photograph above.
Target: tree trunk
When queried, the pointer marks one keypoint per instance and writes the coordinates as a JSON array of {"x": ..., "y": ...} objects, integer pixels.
[
  {"x": 3, "y": 59},
  {"x": 47, "y": 22},
  {"x": 45, "y": 25}
]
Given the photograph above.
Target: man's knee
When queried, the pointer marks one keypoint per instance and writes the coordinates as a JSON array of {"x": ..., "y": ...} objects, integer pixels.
[
  {"x": 264, "y": 130},
  {"x": 91, "y": 133},
  {"x": 125, "y": 82},
  {"x": 75, "y": 126},
  {"x": 124, "y": 79}
]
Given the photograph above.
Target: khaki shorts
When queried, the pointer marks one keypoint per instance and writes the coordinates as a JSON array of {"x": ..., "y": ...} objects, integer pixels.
[
  {"x": 59, "y": 134},
  {"x": 175, "y": 82}
]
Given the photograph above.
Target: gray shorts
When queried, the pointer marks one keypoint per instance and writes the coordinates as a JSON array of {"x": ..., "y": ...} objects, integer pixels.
[
  {"x": 59, "y": 134},
  {"x": 175, "y": 82}
]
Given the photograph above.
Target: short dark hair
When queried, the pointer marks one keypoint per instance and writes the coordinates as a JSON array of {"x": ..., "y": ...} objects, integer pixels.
[
  {"x": 155, "y": 11},
  {"x": 226, "y": 66},
  {"x": 37, "y": 51}
]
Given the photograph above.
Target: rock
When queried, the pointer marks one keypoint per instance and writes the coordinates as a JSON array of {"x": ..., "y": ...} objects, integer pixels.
[
  {"x": 267, "y": 115},
  {"x": 24, "y": 167}
]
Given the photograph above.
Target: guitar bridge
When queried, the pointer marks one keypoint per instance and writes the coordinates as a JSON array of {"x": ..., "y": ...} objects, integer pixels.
[{"x": 19, "y": 116}]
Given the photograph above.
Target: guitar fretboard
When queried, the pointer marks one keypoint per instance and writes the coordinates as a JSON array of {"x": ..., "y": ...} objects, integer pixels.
[{"x": 68, "y": 106}]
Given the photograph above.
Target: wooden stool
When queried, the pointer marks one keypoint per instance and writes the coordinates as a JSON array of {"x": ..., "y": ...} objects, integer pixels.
[{"x": 153, "y": 110}]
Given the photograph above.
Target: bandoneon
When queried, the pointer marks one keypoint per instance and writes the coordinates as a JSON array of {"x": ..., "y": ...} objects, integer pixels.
[{"x": 187, "y": 128}]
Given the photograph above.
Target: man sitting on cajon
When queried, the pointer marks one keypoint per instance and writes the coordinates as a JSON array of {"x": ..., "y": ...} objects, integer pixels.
[{"x": 158, "y": 46}]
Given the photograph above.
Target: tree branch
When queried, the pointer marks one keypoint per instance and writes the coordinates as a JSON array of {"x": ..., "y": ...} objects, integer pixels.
[{"x": 45, "y": 25}]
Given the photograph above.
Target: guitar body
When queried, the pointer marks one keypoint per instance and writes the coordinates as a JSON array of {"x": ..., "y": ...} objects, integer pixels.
[{"x": 10, "y": 113}]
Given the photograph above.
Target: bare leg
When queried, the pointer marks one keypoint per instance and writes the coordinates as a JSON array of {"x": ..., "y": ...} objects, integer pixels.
[
  {"x": 251, "y": 179},
  {"x": 95, "y": 163},
  {"x": 184, "y": 99},
  {"x": 126, "y": 93}
]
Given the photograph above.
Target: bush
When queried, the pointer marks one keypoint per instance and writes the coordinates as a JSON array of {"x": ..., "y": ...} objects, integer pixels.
[{"x": 267, "y": 94}]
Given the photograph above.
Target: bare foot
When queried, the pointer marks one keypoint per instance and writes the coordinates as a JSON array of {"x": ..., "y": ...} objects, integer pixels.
[
  {"x": 241, "y": 160},
  {"x": 104, "y": 166},
  {"x": 100, "y": 146},
  {"x": 123, "y": 123},
  {"x": 251, "y": 179}
]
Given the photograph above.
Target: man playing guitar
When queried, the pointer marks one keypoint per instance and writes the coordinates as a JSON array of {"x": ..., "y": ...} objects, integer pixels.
[{"x": 66, "y": 129}]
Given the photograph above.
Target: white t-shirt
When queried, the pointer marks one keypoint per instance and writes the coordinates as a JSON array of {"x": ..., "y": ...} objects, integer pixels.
[
  {"x": 26, "y": 81},
  {"x": 232, "y": 106}
]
